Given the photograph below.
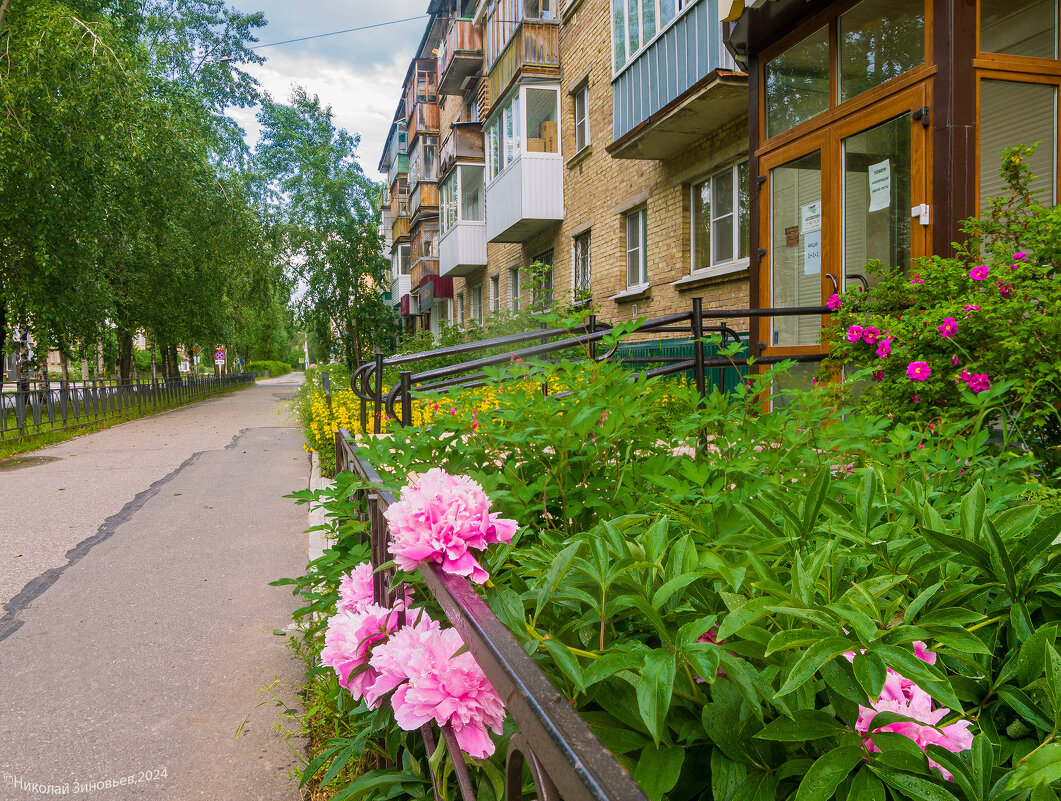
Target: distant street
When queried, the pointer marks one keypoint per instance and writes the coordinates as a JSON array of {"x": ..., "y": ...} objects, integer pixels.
[{"x": 137, "y": 620}]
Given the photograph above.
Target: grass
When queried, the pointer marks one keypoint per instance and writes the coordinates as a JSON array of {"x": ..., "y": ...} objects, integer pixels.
[{"x": 17, "y": 446}]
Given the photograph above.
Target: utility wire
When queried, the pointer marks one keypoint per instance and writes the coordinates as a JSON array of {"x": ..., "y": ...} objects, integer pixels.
[{"x": 336, "y": 33}]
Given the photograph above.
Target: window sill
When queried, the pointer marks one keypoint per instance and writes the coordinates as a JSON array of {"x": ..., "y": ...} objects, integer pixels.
[
  {"x": 633, "y": 293},
  {"x": 702, "y": 277},
  {"x": 580, "y": 156}
]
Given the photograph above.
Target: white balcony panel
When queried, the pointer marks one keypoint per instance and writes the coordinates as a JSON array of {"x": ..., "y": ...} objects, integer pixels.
[
  {"x": 527, "y": 197},
  {"x": 462, "y": 249},
  {"x": 400, "y": 285}
]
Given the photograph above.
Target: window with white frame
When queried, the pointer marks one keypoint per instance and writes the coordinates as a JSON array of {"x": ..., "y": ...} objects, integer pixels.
[
  {"x": 526, "y": 123},
  {"x": 460, "y": 197},
  {"x": 495, "y": 293},
  {"x": 636, "y": 22},
  {"x": 582, "y": 117},
  {"x": 476, "y": 297},
  {"x": 402, "y": 260},
  {"x": 513, "y": 288},
  {"x": 460, "y": 310},
  {"x": 720, "y": 220},
  {"x": 636, "y": 249},
  {"x": 580, "y": 261},
  {"x": 447, "y": 202}
]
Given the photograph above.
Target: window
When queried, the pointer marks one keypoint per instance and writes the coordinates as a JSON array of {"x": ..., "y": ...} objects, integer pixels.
[
  {"x": 423, "y": 162},
  {"x": 541, "y": 121},
  {"x": 720, "y": 219},
  {"x": 447, "y": 202},
  {"x": 1019, "y": 27},
  {"x": 477, "y": 302},
  {"x": 636, "y": 257},
  {"x": 580, "y": 260},
  {"x": 797, "y": 83},
  {"x": 503, "y": 137},
  {"x": 525, "y": 124},
  {"x": 542, "y": 289},
  {"x": 403, "y": 260},
  {"x": 513, "y": 288},
  {"x": 582, "y": 117},
  {"x": 1038, "y": 123},
  {"x": 879, "y": 40},
  {"x": 636, "y": 22},
  {"x": 495, "y": 293},
  {"x": 460, "y": 310},
  {"x": 460, "y": 197}
]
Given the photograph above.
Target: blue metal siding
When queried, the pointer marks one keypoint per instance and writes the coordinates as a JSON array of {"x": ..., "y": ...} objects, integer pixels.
[{"x": 678, "y": 58}]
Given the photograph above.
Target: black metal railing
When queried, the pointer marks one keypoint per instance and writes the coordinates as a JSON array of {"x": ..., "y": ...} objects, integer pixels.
[
  {"x": 368, "y": 386},
  {"x": 29, "y": 407},
  {"x": 563, "y": 755}
]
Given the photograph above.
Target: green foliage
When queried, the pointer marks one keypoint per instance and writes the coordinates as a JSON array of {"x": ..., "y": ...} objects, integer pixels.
[
  {"x": 1005, "y": 324},
  {"x": 274, "y": 368}
]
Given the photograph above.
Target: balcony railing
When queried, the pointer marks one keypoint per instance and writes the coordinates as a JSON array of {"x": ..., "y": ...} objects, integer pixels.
[
  {"x": 464, "y": 143},
  {"x": 460, "y": 56},
  {"x": 423, "y": 118},
  {"x": 400, "y": 229},
  {"x": 422, "y": 268},
  {"x": 400, "y": 285},
  {"x": 533, "y": 49},
  {"x": 525, "y": 198},
  {"x": 400, "y": 200},
  {"x": 424, "y": 196},
  {"x": 462, "y": 249}
]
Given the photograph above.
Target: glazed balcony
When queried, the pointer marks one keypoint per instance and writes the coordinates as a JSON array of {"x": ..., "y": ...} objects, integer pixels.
[
  {"x": 463, "y": 145},
  {"x": 399, "y": 197},
  {"x": 423, "y": 199},
  {"x": 460, "y": 56},
  {"x": 400, "y": 285},
  {"x": 423, "y": 119},
  {"x": 525, "y": 198},
  {"x": 533, "y": 50},
  {"x": 681, "y": 86},
  {"x": 423, "y": 268},
  {"x": 399, "y": 167},
  {"x": 462, "y": 249}
]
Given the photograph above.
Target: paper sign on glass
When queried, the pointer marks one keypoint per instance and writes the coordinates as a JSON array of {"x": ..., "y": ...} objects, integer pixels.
[
  {"x": 880, "y": 185},
  {"x": 810, "y": 217},
  {"x": 812, "y": 253}
]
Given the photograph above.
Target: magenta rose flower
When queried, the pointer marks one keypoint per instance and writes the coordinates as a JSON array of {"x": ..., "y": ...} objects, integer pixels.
[
  {"x": 950, "y": 325},
  {"x": 980, "y": 272},
  {"x": 854, "y": 333},
  {"x": 871, "y": 334},
  {"x": 833, "y": 302},
  {"x": 1020, "y": 255},
  {"x": 884, "y": 349},
  {"x": 918, "y": 371}
]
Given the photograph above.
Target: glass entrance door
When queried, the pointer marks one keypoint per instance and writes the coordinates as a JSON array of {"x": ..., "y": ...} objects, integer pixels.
[{"x": 832, "y": 202}]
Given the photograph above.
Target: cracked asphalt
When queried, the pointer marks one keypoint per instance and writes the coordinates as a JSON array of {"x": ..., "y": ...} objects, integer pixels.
[{"x": 136, "y": 637}]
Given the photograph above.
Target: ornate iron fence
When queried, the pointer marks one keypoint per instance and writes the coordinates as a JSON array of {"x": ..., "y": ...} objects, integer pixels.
[{"x": 34, "y": 407}]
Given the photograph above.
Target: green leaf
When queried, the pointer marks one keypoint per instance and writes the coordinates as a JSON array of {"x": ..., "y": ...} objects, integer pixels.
[
  {"x": 971, "y": 512},
  {"x": 871, "y": 673},
  {"x": 866, "y": 787},
  {"x": 974, "y": 552},
  {"x": 727, "y": 776},
  {"x": 793, "y": 638},
  {"x": 1037, "y": 540},
  {"x": 805, "y": 724},
  {"x": 815, "y": 498},
  {"x": 1043, "y": 792},
  {"x": 827, "y": 772},
  {"x": 566, "y": 661},
  {"x": 1053, "y": 682},
  {"x": 611, "y": 663},
  {"x": 899, "y": 751},
  {"x": 654, "y": 690},
  {"x": 658, "y": 769},
  {"x": 1042, "y": 766},
  {"x": 561, "y": 564},
  {"x": 748, "y": 613},
  {"x": 960, "y": 641},
  {"x": 812, "y": 659},
  {"x": 913, "y": 787},
  {"x": 1024, "y": 706},
  {"x": 1000, "y": 558},
  {"x": 866, "y": 492},
  {"x": 664, "y": 593}
]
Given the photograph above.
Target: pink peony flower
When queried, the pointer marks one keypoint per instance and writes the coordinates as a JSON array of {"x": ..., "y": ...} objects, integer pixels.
[
  {"x": 950, "y": 325},
  {"x": 390, "y": 659},
  {"x": 854, "y": 333},
  {"x": 980, "y": 272},
  {"x": 442, "y": 519},
  {"x": 355, "y": 589},
  {"x": 833, "y": 302},
  {"x": 884, "y": 349},
  {"x": 871, "y": 334},
  {"x": 918, "y": 371},
  {"x": 348, "y": 643},
  {"x": 451, "y": 690}
]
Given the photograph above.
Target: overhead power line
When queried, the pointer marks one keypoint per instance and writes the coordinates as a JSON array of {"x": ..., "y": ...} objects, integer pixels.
[{"x": 336, "y": 33}]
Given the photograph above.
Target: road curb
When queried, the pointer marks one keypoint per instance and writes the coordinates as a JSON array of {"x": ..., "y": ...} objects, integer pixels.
[{"x": 317, "y": 540}]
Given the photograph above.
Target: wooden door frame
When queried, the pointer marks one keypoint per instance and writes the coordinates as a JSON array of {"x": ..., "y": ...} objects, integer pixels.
[{"x": 829, "y": 141}]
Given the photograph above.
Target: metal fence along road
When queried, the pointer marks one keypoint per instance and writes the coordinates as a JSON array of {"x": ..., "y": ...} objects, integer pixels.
[{"x": 35, "y": 407}]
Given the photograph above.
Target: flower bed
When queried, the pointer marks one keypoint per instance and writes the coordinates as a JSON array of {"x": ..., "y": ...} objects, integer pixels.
[{"x": 821, "y": 603}]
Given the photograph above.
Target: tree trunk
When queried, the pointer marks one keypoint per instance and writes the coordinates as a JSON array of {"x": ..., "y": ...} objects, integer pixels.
[
  {"x": 65, "y": 365},
  {"x": 101, "y": 368},
  {"x": 125, "y": 357},
  {"x": 174, "y": 361},
  {"x": 154, "y": 373},
  {"x": 84, "y": 362}
]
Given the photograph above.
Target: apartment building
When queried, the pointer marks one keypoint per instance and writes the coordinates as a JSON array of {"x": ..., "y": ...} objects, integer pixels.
[{"x": 608, "y": 142}]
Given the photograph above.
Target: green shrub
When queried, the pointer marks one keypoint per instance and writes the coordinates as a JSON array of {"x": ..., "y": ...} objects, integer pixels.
[{"x": 274, "y": 368}]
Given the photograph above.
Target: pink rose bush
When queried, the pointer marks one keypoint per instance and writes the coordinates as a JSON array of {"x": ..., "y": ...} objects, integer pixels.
[
  {"x": 918, "y": 371},
  {"x": 980, "y": 272},
  {"x": 442, "y": 519},
  {"x": 904, "y": 697}
]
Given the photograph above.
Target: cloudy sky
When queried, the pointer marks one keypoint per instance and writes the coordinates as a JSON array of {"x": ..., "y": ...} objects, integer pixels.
[{"x": 358, "y": 74}]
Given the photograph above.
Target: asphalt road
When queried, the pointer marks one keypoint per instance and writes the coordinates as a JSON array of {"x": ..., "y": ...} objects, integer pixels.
[{"x": 136, "y": 633}]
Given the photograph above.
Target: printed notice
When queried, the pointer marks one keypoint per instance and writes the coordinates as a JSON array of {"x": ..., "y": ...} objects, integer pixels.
[
  {"x": 880, "y": 185},
  {"x": 812, "y": 253},
  {"x": 810, "y": 217}
]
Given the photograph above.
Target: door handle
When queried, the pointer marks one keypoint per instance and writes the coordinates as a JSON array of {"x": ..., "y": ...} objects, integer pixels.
[{"x": 836, "y": 285}]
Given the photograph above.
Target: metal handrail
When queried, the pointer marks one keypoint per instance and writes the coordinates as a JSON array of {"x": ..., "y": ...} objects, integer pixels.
[
  {"x": 553, "y": 340},
  {"x": 566, "y": 759}
]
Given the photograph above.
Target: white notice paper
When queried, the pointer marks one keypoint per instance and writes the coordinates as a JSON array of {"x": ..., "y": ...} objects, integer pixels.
[
  {"x": 812, "y": 253},
  {"x": 810, "y": 217},
  {"x": 880, "y": 185}
]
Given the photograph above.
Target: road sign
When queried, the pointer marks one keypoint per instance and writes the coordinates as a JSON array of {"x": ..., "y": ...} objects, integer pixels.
[{"x": 196, "y": 350}]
